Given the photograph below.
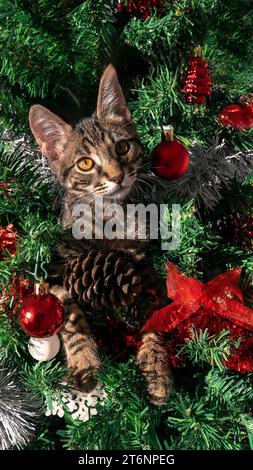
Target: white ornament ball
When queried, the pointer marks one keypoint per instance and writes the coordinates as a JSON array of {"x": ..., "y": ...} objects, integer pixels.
[{"x": 44, "y": 349}]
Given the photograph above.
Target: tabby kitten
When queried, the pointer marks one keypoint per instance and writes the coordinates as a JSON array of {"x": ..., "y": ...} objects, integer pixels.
[{"x": 101, "y": 156}]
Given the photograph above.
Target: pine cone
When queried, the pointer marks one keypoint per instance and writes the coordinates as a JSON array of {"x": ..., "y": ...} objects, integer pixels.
[{"x": 106, "y": 279}]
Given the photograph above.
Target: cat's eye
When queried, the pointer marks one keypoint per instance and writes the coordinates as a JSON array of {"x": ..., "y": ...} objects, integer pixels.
[
  {"x": 85, "y": 164},
  {"x": 122, "y": 147}
]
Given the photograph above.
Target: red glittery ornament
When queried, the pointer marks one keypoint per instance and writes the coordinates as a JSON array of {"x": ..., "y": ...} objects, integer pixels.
[
  {"x": 12, "y": 295},
  {"x": 237, "y": 228},
  {"x": 197, "y": 82},
  {"x": 170, "y": 159},
  {"x": 7, "y": 187},
  {"x": 247, "y": 112},
  {"x": 144, "y": 7},
  {"x": 231, "y": 116},
  {"x": 238, "y": 117},
  {"x": 41, "y": 314},
  {"x": 216, "y": 306},
  {"x": 117, "y": 338},
  {"x": 8, "y": 240}
]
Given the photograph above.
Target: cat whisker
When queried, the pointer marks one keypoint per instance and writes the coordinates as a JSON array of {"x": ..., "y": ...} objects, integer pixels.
[
  {"x": 147, "y": 183},
  {"x": 142, "y": 190},
  {"x": 145, "y": 165}
]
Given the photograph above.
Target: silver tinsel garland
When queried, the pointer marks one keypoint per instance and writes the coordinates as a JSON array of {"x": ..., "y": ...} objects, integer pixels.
[
  {"x": 18, "y": 412},
  {"x": 24, "y": 146},
  {"x": 211, "y": 170}
]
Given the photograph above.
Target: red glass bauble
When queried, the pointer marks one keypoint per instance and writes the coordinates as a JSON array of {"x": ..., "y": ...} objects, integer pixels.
[
  {"x": 41, "y": 315},
  {"x": 170, "y": 160},
  {"x": 232, "y": 116},
  {"x": 120, "y": 6}
]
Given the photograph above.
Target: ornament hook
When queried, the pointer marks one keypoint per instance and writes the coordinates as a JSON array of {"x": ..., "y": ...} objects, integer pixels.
[
  {"x": 167, "y": 133},
  {"x": 39, "y": 266}
]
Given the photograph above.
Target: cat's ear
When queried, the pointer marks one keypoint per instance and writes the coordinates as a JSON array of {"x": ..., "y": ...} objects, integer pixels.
[
  {"x": 111, "y": 105},
  {"x": 49, "y": 130}
]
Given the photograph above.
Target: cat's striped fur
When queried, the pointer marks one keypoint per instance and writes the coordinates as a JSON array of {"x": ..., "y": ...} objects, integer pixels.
[{"x": 114, "y": 175}]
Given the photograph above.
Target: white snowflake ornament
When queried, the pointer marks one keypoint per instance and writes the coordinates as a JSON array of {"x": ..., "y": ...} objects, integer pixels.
[{"x": 79, "y": 404}]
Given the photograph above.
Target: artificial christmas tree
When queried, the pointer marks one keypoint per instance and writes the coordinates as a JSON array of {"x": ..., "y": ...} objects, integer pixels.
[{"x": 53, "y": 53}]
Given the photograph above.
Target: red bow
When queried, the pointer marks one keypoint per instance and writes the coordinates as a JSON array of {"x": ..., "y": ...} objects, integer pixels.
[
  {"x": 221, "y": 295},
  {"x": 216, "y": 305}
]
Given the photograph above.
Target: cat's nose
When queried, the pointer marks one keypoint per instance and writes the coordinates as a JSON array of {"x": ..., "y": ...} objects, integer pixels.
[{"x": 117, "y": 178}]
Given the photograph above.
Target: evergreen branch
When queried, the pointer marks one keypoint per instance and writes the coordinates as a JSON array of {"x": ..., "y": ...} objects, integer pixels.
[
  {"x": 201, "y": 425},
  {"x": 13, "y": 348},
  {"x": 212, "y": 349},
  {"x": 196, "y": 240},
  {"x": 132, "y": 421},
  {"x": 44, "y": 379},
  {"x": 19, "y": 45},
  {"x": 230, "y": 388}
]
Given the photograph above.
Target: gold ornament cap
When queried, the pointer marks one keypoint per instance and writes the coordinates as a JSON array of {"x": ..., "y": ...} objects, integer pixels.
[
  {"x": 168, "y": 133},
  {"x": 41, "y": 287}
]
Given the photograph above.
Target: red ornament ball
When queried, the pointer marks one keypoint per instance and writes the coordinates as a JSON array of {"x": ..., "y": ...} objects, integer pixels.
[
  {"x": 120, "y": 6},
  {"x": 231, "y": 116},
  {"x": 41, "y": 315},
  {"x": 170, "y": 160}
]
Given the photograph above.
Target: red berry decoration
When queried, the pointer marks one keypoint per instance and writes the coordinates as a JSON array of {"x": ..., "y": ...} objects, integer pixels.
[
  {"x": 170, "y": 158},
  {"x": 41, "y": 314},
  {"x": 197, "y": 82}
]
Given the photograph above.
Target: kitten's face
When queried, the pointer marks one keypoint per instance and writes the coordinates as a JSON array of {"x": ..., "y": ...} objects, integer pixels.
[
  {"x": 100, "y": 159},
  {"x": 102, "y": 155}
]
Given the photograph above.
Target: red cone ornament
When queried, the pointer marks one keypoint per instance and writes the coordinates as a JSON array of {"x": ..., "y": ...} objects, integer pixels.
[
  {"x": 170, "y": 159},
  {"x": 197, "y": 82},
  {"x": 41, "y": 314}
]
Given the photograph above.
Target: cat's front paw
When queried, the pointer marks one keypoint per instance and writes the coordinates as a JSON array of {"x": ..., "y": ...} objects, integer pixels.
[
  {"x": 159, "y": 390},
  {"x": 81, "y": 350},
  {"x": 152, "y": 361},
  {"x": 83, "y": 369},
  {"x": 83, "y": 383}
]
